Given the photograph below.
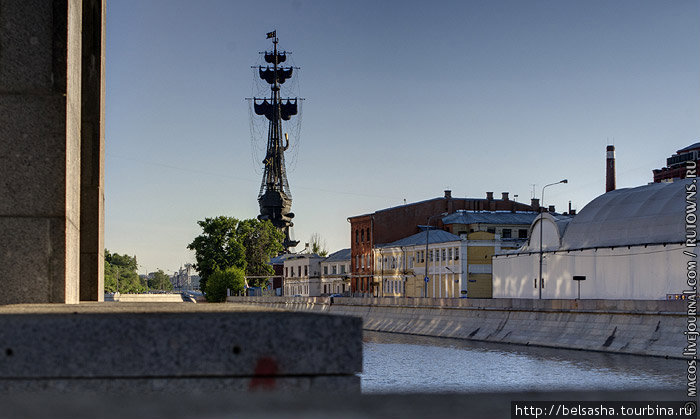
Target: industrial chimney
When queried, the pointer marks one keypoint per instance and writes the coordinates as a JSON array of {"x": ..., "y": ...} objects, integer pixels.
[{"x": 610, "y": 169}]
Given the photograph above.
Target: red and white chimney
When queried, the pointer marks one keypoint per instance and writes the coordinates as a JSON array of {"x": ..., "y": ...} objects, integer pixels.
[{"x": 610, "y": 169}]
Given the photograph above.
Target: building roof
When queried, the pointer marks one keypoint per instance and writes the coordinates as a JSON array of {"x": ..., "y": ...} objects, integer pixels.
[
  {"x": 650, "y": 214},
  {"x": 340, "y": 255},
  {"x": 279, "y": 260},
  {"x": 689, "y": 148},
  {"x": 294, "y": 256},
  {"x": 435, "y": 236},
  {"x": 489, "y": 217}
]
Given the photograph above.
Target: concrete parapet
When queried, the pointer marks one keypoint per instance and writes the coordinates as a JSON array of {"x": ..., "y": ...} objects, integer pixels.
[{"x": 160, "y": 347}]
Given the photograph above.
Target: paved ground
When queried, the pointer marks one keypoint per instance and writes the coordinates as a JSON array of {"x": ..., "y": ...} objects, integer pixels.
[{"x": 306, "y": 406}]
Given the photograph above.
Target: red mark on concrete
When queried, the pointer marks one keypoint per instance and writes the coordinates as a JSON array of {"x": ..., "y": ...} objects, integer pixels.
[{"x": 264, "y": 374}]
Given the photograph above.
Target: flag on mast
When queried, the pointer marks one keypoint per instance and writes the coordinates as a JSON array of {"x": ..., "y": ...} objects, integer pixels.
[{"x": 272, "y": 34}]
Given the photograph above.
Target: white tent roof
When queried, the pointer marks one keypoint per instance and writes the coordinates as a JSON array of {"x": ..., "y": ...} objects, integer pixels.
[{"x": 647, "y": 214}]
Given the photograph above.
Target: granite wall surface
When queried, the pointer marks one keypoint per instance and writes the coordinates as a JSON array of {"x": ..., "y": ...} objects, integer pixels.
[{"x": 51, "y": 136}]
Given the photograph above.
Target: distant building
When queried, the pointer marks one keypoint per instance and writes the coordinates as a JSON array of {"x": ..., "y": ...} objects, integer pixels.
[
  {"x": 676, "y": 164},
  {"x": 302, "y": 275},
  {"x": 183, "y": 279},
  {"x": 335, "y": 273},
  {"x": 277, "y": 281},
  {"x": 400, "y": 266},
  {"x": 459, "y": 265},
  {"x": 392, "y": 224},
  {"x": 627, "y": 243},
  {"x": 512, "y": 227}
]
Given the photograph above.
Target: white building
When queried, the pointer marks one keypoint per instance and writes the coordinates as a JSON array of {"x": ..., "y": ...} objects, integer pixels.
[
  {"x": 627, "y": 243},
  {"x": 302, "y": 275},
  {"x": 335, "y": 273}
]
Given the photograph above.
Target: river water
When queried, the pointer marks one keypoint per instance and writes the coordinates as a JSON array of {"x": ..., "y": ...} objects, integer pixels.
[{"x": 406, "y": 363}]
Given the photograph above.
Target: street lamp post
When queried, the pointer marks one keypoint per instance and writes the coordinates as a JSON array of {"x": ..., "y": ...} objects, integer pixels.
[
  {"x": 541, "y": 255},
  {"x": 427, "y": 235}
]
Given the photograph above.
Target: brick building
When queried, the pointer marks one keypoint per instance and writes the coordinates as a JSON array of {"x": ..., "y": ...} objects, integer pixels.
[
  {"x": 391, "y": 224},
  {"x": 676, "y": 164}
]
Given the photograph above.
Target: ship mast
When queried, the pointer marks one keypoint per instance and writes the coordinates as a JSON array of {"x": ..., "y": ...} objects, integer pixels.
[{"x": 275, "y": 198}]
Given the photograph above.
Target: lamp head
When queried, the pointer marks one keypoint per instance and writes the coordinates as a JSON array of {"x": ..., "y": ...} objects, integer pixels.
[{"x": 564, "y": 181}]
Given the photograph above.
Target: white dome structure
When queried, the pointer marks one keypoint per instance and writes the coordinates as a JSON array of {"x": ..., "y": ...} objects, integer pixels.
[
  {"x": 627, "y": 243},
  {"x": 651, "y": 214}
]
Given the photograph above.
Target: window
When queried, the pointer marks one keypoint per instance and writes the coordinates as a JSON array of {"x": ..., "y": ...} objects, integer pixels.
[
  {"x": 491, "y": 230},
  {"x": 393, "y": 262},
  {"x": 522, "y": 233},
  {"x": 507, "y": 233},
  {"x": 325, "y": 270},
  {"x": 368, "y": 234},
  {"x": 430, "y": 256},
  {"x": 437, "y": 255},
  {"x": 443, "y": 255},
  {"x": 357, "y": 262},
  {"x": 334, "y": 269},
  {"x": 362, "y": 236},
  {"x": 286, "y": 271},
  {"x": 342, "y": 269},
  {"x": 357, "y": 236},
  {"x": 456, "y": 253},
  {"x": 306, "y": 270},
  {"x": 410, "y": 262},
  {"x": 449, "y": 254}
]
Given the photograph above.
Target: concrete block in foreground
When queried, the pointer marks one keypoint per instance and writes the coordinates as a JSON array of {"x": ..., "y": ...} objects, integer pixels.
[{"x": 163, "y": 351}]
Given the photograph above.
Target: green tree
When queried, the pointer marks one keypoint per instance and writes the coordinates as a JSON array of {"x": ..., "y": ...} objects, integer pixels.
[
  {"x": 217, "y": 248},
  {"x": 120, "y": 274},
  {"x": 262, "y": 241},
  {"x": 160, "y": 281},
  {"x": 318, "y": 245},
  {"x": 220, "y": 280}
]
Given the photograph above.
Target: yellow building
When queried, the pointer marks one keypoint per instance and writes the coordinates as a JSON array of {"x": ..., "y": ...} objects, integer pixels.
[
  {"x": 400, "y": 266},
  {"x": 458, "y": 265},
  {"x": 488, "y": 233}
]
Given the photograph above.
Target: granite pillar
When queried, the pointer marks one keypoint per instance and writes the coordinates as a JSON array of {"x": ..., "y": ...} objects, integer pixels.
[
  {"x": 92, "y": 152},
  {"x": 41, "y": 62}
]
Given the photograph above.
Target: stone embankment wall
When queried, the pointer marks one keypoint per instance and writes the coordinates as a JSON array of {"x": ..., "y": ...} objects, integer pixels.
[
  {"x": 146, "y": 298},
  {"x": 642, "y": 327}
]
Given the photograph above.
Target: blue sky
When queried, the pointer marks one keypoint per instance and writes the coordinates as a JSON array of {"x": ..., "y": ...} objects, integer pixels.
[{"x": 403, "y": 100}]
